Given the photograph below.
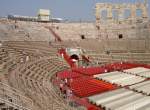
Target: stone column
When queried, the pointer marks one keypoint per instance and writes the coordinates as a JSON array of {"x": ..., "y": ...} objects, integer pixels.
[
  {"x": 144, "y": 11},
  {"x": 97, "y": 13},
  {"x": 133, "y": 11},
  {"x": 109, "y": 13},
  {"x": 121, "y": 13}
]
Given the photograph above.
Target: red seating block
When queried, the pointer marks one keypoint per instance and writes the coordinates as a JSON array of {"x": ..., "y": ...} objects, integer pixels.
[
  {"x": 68, "y": 74},
  {"x": 90, "y": 70},
  {"x": 83, "y": 87},
  {"x": 120, "y": 66}
]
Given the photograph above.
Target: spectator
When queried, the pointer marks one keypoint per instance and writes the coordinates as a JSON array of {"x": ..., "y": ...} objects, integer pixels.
[{"x": 27, "y": 58}]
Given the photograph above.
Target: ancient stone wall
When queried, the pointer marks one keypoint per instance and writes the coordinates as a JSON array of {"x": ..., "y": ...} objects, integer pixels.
[
  {"x": 134, "y": 41},
  {"x": 117, "y": 23},
  {"x": 75, "y": 31}
]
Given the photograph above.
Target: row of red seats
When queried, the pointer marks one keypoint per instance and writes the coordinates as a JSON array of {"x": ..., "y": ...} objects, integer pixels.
[
  {"x": 109, "y": 67},
  {"x": 87, "y": 87},
  {"x": 147, "y": 66},
  {"x": 90, "y": 70},
  {"x": 121, "y": 66},
  {"x": 68, "y": 74}
]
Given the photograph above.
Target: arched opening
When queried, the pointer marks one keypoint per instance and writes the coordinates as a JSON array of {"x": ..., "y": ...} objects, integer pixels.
[
  {"x": 120, "y": 36},
  {"x": 115, "y": 14},
  {"x": 138, "y": 13},
  {"x": 82, "y": 36},
  {"x": 74, "y": 56},
  {"x": 127, "y": 13},
  {"x": 104, "y": 15}
]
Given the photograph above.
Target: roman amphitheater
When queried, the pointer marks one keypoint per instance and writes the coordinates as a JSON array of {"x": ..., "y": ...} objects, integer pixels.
[{"x": 101, "y": 65}]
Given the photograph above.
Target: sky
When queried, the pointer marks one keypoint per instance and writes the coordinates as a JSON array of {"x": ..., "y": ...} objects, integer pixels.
[{"x": 67, "y": 9}]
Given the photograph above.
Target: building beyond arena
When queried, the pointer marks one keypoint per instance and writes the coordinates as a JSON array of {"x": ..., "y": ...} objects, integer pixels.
[{"x": 101, "y": 65}]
